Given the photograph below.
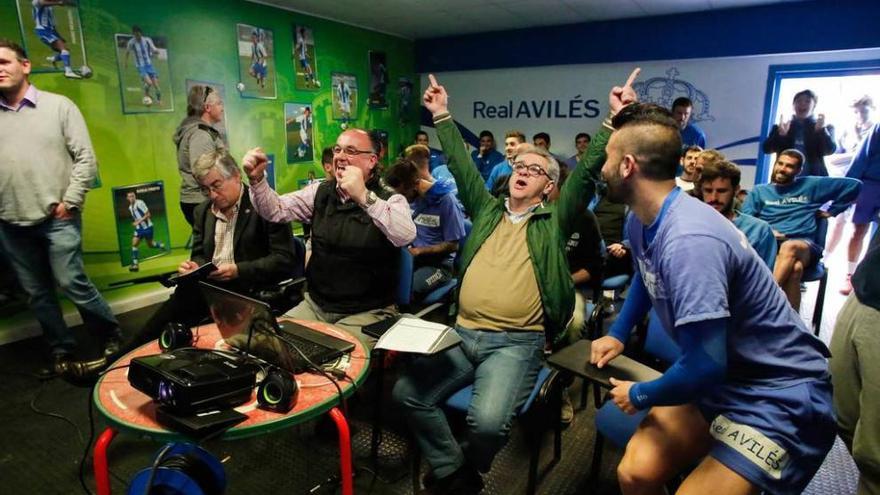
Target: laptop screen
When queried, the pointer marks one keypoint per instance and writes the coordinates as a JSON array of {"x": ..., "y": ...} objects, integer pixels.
[{"x": 247, "y": 325}]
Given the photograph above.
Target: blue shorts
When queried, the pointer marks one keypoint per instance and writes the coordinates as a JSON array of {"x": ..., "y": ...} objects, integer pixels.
[
  {"x": 48, "y": 36},
  {"x": 775, "y": 438},
  {"x": 815, "y": 250},
  {"x": 868, "y": 203},
  {"x": 147, "y": 70},
  {"x": 304, "y": 63},
  {"x": 146, "y": 233},
  {"x": 259, "y": 69}
]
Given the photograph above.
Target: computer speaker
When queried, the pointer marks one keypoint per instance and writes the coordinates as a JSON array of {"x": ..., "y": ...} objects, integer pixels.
[
  {"x": 175, "y": 336},
  {"x": 278, "y": 391}
]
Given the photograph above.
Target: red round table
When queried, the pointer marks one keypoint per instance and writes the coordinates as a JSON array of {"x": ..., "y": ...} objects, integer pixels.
[{"x": 126, "y": 409}]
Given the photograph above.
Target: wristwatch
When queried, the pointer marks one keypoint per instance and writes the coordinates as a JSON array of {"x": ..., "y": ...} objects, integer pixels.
[{"x": 370, "y": 200}]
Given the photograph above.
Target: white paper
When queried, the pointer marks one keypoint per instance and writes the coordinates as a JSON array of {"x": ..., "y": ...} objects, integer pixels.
[{"x": 412, "y": 335}]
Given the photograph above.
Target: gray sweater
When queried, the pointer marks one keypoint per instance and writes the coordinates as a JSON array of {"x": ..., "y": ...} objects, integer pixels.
[
  {"x": 46, "y": 157},
  {"x": 193, "y": 138}
]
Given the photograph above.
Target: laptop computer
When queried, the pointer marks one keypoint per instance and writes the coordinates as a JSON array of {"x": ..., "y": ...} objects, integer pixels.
[{"x": 248, "y": 325}]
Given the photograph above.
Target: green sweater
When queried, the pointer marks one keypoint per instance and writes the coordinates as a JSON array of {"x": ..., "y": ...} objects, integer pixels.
[
  {"x": 549, "y": 227},
  {"x": 46, "y": 157}
]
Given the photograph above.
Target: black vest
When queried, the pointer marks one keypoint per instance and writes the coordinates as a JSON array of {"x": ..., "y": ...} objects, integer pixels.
[{"x": 354, "y": 267}]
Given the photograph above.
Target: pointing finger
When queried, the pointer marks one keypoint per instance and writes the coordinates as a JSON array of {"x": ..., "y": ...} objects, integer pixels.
[
  {"x": 632, "y": 77},
  {"x": 433, "y": 80}
]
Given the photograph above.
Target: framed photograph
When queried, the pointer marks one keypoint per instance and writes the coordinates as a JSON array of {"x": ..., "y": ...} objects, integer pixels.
[
  {"x": 219, "y": 89},
  {"x": 141, "y": 223},
  {"x": 404, "y": 100},
  {"x": 344, "y": 96},
  {"x": 256, "y": 62},
  {"x": 298, "y": 129},
  {"x": 47, "y": 30},
  {"x": 378, "y": 80},
  {"x": 142, "y": 63},
  {"x": 305, "y": 60}
]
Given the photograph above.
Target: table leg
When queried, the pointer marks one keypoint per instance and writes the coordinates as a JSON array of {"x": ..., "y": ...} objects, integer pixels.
[
  {"x": 377, "y": 408},
  {"x": 344, "y": 451},
  {"x": 102, "y": 470}
]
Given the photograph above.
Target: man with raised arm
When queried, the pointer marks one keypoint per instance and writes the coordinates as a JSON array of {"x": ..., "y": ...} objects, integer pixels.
[
  {"x": 516, "y": 296},
  {"x": 749, "y": 400},
  {"x": 358, "y": 229}
]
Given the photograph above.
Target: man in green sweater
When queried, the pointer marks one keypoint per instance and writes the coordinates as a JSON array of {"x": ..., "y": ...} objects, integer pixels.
[
  {"x": 516, "y": 296},
  {"x": 46, "y": 167}
]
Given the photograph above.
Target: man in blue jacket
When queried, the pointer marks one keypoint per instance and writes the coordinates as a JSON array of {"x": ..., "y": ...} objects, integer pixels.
[
  {"x": 792, "y": 206},
  {"x": 865, "y": 167}
]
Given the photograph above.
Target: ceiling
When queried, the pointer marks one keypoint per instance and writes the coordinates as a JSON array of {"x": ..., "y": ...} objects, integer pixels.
[{"x": 416, "y": 19}]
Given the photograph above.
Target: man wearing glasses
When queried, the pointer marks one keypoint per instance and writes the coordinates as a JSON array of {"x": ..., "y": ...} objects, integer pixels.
[
  {"x": 249, "y": 252},
  {"x": 358, "y": 229},
  {"x": 195, "y": 136},
  {"x": 516, "y": 296}
]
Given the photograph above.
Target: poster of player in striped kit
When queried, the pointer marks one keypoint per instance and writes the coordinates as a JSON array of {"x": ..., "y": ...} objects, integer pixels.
[
  {"x": 305, "y": 61},
  {"x": 144, "y": 72},
  {"x": 141, "y": 223},
  {"x": 344, "y": 96},
  {"x": 256, "y": 61},
  {"x": 298, "y": 129},
  {"x": 52, "y": 35}
]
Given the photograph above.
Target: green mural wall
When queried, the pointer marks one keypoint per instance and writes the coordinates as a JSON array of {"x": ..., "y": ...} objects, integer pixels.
[{"x": 201, "y": 39}]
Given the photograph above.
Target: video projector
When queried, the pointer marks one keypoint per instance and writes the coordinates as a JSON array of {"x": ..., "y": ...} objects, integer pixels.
[{"x": 191, "y": 380}]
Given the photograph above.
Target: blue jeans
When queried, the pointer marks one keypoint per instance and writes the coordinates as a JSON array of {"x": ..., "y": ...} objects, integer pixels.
[
  {"x": 52, "y": 252},
  {"x": 502, "y": 366}
]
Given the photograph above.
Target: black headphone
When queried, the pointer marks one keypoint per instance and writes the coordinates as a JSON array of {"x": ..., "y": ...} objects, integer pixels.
[
  {"x": 175, "y": 336},
  {"x": 278, "y": 391}
]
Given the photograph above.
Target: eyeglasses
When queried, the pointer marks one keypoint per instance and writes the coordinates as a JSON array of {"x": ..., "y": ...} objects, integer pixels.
[
  {"x": 351, "y": 151},
  {"x": 215, "y": 186},
  {"x": 534, "y": 169}
]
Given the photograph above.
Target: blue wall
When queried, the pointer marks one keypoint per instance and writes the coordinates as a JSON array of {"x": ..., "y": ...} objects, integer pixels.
[{"x": 780, "y": 28}]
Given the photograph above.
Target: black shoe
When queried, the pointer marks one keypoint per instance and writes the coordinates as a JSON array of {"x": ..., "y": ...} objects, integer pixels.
[
  {"x": 58, "y": 366},
  {"x": 85, "y": 370},
  {"x": 464, "y": 481},
  {"x": 111, "y": 345}
]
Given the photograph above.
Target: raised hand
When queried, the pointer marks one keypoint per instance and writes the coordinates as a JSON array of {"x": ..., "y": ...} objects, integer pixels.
[
  {"x": 784, "y": 126},
  {"x": 255, "y": 162},
  {"x": 622, "y": 96},
  {"x": 435, "y": 98},
  {"x": 352, "y": 183},
  {"x": 820, "y": 122}
]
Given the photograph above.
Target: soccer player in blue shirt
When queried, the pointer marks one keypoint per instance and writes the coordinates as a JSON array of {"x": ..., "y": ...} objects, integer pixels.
[
  {"x": 512, "y": 139},
  {"x": 717, "y": 187},
  {"x": 258, "y": 69},
  {"x": 44, "y": 26},
  {"x": 143, "y": 49},
  {"x": 691, "y": 135},
  {"x": 486, "y": 157},
  {"x": 143, "y": 228},
  {"x": 792, "y": 205},
  {"x": 749, "y": 399}
]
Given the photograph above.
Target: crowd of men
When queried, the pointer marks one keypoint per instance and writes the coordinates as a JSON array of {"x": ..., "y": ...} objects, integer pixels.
[{"x": 540, "y": 229}]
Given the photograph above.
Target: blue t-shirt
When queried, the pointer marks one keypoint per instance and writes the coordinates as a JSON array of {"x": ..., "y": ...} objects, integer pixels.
[
  {"x": 498, "y": 171},
  {"x": 444, "y": 179},
  {"x": 436, "y": 159},
  {"x": 485, "y": 164},
  {"x": 791, "y": 208},
  {"x": 698, "y": 268},
  {"x": 693, "y": 135},
  {"x": 438, "y": 218},
  {"x": 866, "y": 163},
  {"x": 760, "y": 236}
]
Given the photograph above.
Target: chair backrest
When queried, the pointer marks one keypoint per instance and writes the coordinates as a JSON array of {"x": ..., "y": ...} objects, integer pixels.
[{"x": 405, "y": 277}]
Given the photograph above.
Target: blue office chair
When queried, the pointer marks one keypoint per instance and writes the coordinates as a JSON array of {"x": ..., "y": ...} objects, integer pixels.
[
  {"x": 818, "y": 272},
  {"x": 614, "y": 424},
  {"x": 540, "y": 412}
]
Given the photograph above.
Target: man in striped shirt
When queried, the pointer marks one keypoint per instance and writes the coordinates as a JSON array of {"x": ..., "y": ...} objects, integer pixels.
[{"x": 143, "y": 49}]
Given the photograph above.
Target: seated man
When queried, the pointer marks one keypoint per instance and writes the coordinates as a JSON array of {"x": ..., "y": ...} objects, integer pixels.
[
  {"x": 250, "y": 253},
  {"x": 749, "y": 400},
  {"x": 791, "y": 205},
  {"x": 718, "y": 187},
  {"x": 689, "y": 174},
  {"x": 486, "y": 156},
  {"x": 611, "y": 217},
  {"x": 439, "y": 223},
  {"x": 358, "y": 229},
  {"x": 440, "y": 175},
  {"x": 516, "y": 295}
]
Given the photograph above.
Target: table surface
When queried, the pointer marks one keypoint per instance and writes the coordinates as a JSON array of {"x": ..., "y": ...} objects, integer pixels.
[{"x": 128, "y": 409}]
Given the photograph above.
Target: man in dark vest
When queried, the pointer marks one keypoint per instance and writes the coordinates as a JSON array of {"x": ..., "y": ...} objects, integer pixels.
[{"x": 358, "y": 229}]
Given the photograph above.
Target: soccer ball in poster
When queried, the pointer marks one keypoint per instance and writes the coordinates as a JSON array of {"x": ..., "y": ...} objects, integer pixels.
[{"x": 147, "y": 101}]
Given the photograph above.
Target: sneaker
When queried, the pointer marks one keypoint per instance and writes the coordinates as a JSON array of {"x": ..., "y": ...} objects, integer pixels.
[
  {"x": 112, "y": 345},
  {"x": 567, "y": 413},
  {"x": 70, "y": 74},
  {"x": 134, "y": 267},
  {"x": 847, "y": 286}
]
